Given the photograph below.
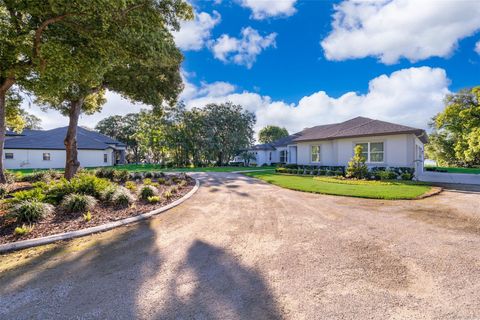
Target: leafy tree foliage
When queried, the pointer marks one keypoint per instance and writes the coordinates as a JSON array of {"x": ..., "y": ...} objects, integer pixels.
[
  {"x": 128, "y": 48},
  {"x": 271, "y": 133},
  {"x": 455, "y": 139},
  {"x": 200, "y": 136},
  {"x": 122, "y": 129}
]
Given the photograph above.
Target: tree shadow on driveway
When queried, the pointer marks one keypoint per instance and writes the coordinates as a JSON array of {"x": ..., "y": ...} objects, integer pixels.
[
  {"x": 125, "y": 276},
  {"x": 99, "y": 282},
  {"x": 223, "y": 289}
]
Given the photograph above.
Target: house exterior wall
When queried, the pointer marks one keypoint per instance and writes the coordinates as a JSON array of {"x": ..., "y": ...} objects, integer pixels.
[
  {"x": 263, "y": 157},
  {"x": 33, "y": 159},
  {"x": 399, "y": 150}
]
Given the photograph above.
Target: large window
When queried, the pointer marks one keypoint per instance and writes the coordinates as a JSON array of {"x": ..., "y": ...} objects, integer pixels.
[
  {"x": 46, "y": 156},
  {"x": 314, "y": 153},
  {"x": 283, "y": 156},
  {"x": 8, "y": 155},
  {"x": 373, "y": 151},
  {"x": 105, "y": 157}
]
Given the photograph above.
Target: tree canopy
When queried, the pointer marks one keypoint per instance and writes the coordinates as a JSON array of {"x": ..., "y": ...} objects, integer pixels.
[
  {"x": 177, "y": 136},
  {"x": 271, "y": 133},
  {"x": 123, "y": 46},
  {"x": 455, "y": 139}
]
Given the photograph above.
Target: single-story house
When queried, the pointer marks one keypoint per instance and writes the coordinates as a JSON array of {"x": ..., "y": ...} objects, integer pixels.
[
  {"x": 43, "y": 149},
  {"x": 384, "y": 144}
]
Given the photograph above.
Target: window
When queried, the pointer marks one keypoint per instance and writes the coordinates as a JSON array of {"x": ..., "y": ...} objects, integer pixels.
[
  {"x": 270, "y": 157},
  {"x": 283, "y": 156},
  {"x": 46, "y": 156},
  {"x": 372, "y": 151},
  {"x": 8, "y": 155},
  {"x": 105, "y": 157},
  {"x": 314, "y": 153}
]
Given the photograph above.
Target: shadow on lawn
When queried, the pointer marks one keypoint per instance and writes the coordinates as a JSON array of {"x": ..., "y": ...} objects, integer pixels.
[{"x": 120, "y": 278}]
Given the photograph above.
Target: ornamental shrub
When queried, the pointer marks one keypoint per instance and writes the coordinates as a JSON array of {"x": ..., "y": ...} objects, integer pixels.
[
  {"x": 75, "y": 202},
  {"x": 122, "y": 198},
  {"x": 121, "y": 175},
  {"x": 154, "y": 199},
  {"x": 32, "y": 194},
  {"x": 107, "y": 173},
  {"x": 356, "y": 166},
  {"x": 406, "y": 176},
  {"x": 130, "y": 185},
  {"x": 147, "y": 191},
  {"x": 28, "y": 211},
  {"x": 387, "y": 175}
]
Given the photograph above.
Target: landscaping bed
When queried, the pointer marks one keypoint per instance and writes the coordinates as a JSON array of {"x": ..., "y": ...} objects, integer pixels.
[
  {"x": 388, "y": 190},
  {"x": 49, "y": 205}
]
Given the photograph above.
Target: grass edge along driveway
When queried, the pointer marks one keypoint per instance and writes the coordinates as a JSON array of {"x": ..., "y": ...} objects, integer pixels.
[{"x": 387, "y": 190}]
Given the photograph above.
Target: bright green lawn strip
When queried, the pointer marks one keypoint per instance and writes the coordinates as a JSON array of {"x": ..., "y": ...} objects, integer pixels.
[
  {"x": 154, "y": 167},
  {"x": 460, "y": 170},
  {"x": 375, "y": 190}
]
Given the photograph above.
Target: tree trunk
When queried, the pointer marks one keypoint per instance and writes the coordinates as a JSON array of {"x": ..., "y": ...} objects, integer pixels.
[
  {"x": 5, "y": 86},
  {"x": 72, "y": 164}
]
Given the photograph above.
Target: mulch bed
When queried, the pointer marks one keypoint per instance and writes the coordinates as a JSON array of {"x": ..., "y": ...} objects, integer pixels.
[{"x": 61, "y": 221}]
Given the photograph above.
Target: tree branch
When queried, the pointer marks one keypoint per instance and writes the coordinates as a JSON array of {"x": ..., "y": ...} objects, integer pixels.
[{"x": 38, "y": 36}]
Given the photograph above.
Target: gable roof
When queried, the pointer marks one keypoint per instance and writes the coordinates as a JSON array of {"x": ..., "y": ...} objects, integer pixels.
[
  {"x": 358, "y": 127},
  {"x": 53, "y": 140}
]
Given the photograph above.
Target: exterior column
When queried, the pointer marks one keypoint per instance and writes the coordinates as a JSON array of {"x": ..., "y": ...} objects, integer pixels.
[{"x": 122, "y": 157}]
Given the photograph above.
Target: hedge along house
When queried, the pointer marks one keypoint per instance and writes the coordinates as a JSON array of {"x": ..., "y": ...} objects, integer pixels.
[
  {"x": 384, "y": 144},
  {"x": 44, "y": 149}
]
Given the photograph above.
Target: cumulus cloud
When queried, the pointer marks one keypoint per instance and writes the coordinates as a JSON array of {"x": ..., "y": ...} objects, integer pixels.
[
  {"x": 262, "y": 9},
  {"x": 193, "y": 35},
  {"x": 408, "y": 96},
  {"x": 477, "y": 47},
  {"x": 392, "y": 29},
  {"x": 244, "y": 50}
]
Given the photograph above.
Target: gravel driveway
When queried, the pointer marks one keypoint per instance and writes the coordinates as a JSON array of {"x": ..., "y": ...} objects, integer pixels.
[{"x": 244, "y": 249}]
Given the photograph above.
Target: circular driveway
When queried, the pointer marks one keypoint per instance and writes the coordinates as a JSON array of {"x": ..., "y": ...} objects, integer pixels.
[{"x": 244, "y": 249}]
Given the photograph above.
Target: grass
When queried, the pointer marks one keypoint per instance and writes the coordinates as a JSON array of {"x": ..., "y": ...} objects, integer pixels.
[
  {"x": 388, "y": 190},
  {"x": 458, "y": 170},
  {"x": 156, "y": 167}
]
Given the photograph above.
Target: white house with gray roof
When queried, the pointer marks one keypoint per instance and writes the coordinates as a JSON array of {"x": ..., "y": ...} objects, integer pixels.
[
  {"x": 43, "y": 149},
  {"x": 384, "y": 144}
]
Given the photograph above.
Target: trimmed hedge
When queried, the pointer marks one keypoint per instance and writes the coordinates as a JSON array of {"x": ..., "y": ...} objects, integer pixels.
[{"x": 375, "y": 173}]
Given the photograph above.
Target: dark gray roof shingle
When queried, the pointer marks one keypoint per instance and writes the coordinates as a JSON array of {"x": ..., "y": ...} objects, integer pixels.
[
  {"x": 53, "y": 140},
  {"x": 357, "y": 127}
]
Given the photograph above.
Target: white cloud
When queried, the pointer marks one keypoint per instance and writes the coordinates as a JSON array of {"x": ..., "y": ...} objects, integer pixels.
[
  {"x": 392, "y": 29},
  {"x": 244, "y": 50},
  {"x": 262, "y": 9},
  {"x": 193, "y": 35},
  {"x": 408, "y": 96},
  {"x": 477, "y": 47}
]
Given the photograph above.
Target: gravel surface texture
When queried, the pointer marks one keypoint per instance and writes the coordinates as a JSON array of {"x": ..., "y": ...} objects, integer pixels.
[{"x": 243, "y": 249}]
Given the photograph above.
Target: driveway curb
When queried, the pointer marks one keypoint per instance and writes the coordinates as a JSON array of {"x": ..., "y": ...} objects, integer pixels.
[{"x": 104, "y": 227}]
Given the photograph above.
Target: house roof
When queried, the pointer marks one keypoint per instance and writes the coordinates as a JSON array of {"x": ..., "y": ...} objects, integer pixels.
[
  {"x": 357, "y": 127},
  {"x": 53, "y": 140}
]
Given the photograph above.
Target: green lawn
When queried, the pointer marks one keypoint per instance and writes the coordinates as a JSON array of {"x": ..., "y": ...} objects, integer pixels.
[
  {"x": 459, "y": 170},
  {"x": 388, "y": 190},
  {"x": 155, "y": 167}
]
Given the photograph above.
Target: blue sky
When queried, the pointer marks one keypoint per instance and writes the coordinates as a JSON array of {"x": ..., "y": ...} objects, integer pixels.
[
  {"x": 297, "y": 66},
  {"x": 302, "y": 63}
]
